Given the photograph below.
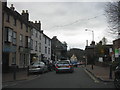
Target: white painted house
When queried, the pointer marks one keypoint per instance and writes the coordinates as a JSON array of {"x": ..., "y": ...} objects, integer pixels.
[
  {"x": 35, "y": 44},
  {"x": 46, "y": 47},
  {"x": 40, "y": 44}
]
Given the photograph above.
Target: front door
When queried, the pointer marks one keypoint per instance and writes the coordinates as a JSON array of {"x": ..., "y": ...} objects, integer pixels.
[{"x": 5, "y": 62}]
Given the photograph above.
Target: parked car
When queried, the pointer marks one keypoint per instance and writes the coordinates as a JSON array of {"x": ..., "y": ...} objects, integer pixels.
[
  {"x": 49, "y": 64},
  {"x": 64, "y": 66},
  {"x": 38, "y": 67},
  {"x": 117, "y": 77},
  {"x": 54, "y": 64}
]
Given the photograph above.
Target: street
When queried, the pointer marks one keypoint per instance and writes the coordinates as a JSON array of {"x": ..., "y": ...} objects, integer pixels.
[{"x": 78, "y": 79}]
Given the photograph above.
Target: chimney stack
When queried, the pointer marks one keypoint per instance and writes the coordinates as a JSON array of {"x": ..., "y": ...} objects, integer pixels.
[
  {"x": 38, "y": 24},
  {"x": 4, "y": 3},
  {"x": 86, "y": 42},
  {"x": 25, "y": 15},
  {"x": 12, "y": 8},
  {"x": 35, "y": 21}
]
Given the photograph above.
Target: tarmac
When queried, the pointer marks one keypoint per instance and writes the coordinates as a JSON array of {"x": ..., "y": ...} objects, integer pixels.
[{"x": 99, "y": 72}]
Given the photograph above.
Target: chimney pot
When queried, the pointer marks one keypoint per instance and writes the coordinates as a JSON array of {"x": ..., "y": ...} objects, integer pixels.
[
  {"x": 35, "y": 21},
  {"x": 26, "y": 11},
  {"x": 12, "y": 8},
  {"x": 11, "y": 5},
  {"x": 23, "y": 11}
]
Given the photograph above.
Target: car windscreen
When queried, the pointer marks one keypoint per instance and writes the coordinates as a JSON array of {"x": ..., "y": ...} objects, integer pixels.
[
  {"x": 37, "y": 63},
  {"x": 63, "y": 62}
]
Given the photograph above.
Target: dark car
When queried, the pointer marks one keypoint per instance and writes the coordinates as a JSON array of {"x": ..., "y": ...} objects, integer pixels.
[
  {"x": 117, "y": 77},
  {"x": 54, "y": 64},
  {"x": 64, "y": 66}
]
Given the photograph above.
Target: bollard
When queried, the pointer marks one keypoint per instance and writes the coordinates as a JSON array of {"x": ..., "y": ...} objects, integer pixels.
[
  {"x": 92, "y": 66},
  {"x": 110, "y": 74},
  {"x": 28, "y": 71}
]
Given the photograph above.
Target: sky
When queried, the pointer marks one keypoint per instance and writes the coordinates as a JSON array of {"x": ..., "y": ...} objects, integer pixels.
[{"x": 68, "y": 20}]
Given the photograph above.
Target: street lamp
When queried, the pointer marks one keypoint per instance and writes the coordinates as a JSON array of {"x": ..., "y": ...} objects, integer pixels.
[{"x": 92, "y": 33}]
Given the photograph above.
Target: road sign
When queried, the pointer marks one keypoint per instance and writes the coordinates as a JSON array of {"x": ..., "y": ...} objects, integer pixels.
[{"x": 116, "y": 53}]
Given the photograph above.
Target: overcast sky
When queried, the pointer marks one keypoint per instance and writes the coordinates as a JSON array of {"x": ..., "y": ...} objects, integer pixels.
[{"x": 68, "y": 20}]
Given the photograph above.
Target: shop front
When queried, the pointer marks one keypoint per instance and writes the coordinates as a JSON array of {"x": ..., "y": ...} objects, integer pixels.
[{"x": 8, "y": 57}]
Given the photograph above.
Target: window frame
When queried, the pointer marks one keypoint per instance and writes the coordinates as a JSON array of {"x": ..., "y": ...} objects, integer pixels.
[
  {"x": 21, "y": 40},
  {"x": 14, "y": 38}
]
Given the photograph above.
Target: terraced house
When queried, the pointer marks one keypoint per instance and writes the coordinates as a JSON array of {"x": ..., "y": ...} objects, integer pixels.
[
  {"x": 16, "y": 38},
  {"x": 46, "y": 47},
  {"x": 40, "y": 43},
  {"x": 22, "y": 39},
  {"x": 35, "y": 41}
]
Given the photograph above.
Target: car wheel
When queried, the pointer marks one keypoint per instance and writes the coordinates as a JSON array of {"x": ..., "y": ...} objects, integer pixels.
[
  {"x": 57, "y": 72},
  {"x": 71, "y": 71}
]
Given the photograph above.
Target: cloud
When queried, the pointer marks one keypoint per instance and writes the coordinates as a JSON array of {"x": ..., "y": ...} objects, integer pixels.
[{"x": 68, "y": 20}]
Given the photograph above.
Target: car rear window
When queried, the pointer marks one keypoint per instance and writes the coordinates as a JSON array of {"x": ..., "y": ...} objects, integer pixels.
[{"x": 63, "y": 62}]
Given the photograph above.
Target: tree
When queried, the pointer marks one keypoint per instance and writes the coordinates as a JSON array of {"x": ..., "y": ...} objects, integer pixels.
[
  {"x": 113, "y": 14},
  {"x": 104, "y": 41}
]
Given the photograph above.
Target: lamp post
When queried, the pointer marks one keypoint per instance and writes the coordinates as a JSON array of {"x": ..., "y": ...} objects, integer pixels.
[
  {"x": 92, "y": 33},
  {"x": 92, "y": 43}
]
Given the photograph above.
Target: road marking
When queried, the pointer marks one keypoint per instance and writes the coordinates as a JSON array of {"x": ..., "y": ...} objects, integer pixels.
[{"x": 95, "y": 80}]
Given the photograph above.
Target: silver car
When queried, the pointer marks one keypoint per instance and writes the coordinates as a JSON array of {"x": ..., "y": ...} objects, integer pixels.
[
  {"x": 38, "y": 67},
  {"x": 64, "y": 66}
]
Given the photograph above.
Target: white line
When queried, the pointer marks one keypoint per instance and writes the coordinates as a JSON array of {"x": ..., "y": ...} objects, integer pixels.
[{"x": 95, "y": 80}]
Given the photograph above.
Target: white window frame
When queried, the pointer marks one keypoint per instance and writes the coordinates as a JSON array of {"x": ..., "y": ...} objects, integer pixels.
[
  {"x": 21, "y": 40},
  {"x": 14, "y": 37},
  {"x": 10, "y": 35}
]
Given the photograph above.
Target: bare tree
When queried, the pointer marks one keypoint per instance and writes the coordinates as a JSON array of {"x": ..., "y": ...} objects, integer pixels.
[{"x": 113, "y": 14}]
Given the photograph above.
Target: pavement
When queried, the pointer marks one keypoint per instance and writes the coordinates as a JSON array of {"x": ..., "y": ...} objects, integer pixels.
[
  {"x": 8, "y": 78},
  {"x": 101, "y": 73}
]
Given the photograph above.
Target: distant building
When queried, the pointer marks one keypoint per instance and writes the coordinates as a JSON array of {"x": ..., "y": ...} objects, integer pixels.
[
  {"x": 79, "y": 53},
  {"x": 59, "y": 49},
  {"x": 89, "y": 54},
  {"x": 116, "y": 49},
  {"x": 95, "y": 52},
  {"x": 73, "y": 58}
]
